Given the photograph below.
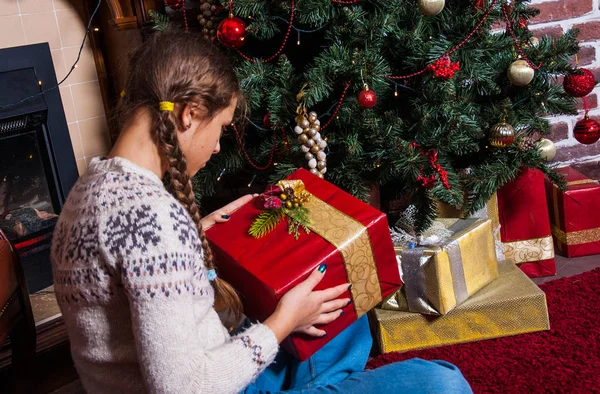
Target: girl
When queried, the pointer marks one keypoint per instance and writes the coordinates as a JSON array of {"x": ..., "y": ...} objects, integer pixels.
[{"x": 134, "y": 275}]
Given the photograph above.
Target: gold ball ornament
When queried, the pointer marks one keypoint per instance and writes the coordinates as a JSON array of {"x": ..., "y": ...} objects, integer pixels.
[
  {"x": 315, "y": 149},
  {"x": 312, "y": 117},
  {"x": 520, "y": 73},
  {"x": 547, "y": 149},
  {"x": 303, "y": 138},
  {"x": 431, "y": 7},
  {"x": 502, "y": 135}
]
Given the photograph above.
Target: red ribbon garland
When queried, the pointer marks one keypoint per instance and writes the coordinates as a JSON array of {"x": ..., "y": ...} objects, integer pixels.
[
  {"x": 247, "y": 157},
  {"x": 285, "y": 39}
]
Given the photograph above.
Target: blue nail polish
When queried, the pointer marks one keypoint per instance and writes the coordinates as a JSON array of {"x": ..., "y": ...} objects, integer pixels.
[
  {"x": 341, "y": 313},
  {"x": 349, "y": 302},
  {"x": 324, "y": 335},
  {"x": 225, "y": 216},
  {"x": 350, "y": 286},
  {"x": 322, "y": 268}
]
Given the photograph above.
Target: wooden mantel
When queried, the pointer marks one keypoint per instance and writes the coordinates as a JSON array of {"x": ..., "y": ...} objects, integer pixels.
[{"x": 131, "y": 14}]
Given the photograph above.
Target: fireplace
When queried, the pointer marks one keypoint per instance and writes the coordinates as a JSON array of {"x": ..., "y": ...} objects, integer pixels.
[{"x": 37, "y": 164}]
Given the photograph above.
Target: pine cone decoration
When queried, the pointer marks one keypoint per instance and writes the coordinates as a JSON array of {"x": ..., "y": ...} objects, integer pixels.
[
  {"x": 208, "y": 17},
  {"x": 528, "y": 142}
]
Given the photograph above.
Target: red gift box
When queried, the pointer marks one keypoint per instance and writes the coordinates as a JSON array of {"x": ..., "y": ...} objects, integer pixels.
[
  {"x": 263, "y": 270},
  {"x": 574, "y": 214},
  {"x": 525, "y": 225}
]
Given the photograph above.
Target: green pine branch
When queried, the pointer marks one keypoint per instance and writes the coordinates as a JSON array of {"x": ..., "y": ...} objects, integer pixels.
[{"x": 266, "y": 222}]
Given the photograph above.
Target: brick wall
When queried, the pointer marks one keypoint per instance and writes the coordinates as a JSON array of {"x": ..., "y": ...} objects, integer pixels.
[{"x": 556, "y": 17}]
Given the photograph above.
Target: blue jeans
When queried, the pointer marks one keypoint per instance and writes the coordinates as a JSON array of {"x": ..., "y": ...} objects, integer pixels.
[{"x": 338, "y": 367}]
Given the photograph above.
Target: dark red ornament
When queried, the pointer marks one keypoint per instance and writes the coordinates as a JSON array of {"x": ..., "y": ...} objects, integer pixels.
[
  {"x": 580, "y": 85},
  {"x": 267, "y": 120},
  {"x": 587, "y": 131},
  {"x": 479, "y": 5},
  {"x": 174, "y": 4},
  {"x": 232, "y": 32},
  {"x": 367, "y": 98}
]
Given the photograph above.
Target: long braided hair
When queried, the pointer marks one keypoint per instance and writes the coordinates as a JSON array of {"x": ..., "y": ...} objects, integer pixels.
[{"x": 181, "y": 68}]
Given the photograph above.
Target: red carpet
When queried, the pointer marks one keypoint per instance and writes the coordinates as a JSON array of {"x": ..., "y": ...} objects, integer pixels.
[{"x": 565, "y": 359}]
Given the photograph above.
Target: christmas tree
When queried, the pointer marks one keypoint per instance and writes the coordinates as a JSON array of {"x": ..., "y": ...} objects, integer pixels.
[{"x": 431, "y": 101}]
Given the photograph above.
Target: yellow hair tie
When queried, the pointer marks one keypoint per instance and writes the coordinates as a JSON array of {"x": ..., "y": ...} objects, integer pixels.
[{"x": 166, "y": 106}]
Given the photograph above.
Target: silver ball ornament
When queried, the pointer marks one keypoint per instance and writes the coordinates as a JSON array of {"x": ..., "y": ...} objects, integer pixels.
[
  {"x": 309, "y": 142},
  {"x": 520, "y": 73},
  {"x": 309, "y": 156},
  {"x": 312, "y": 163},
  {"x": 298, "y": 130},
  {"x": 314, "y": 171},
  {"x": 431, "y": 7},
  {"x": 321, "y": 156},
  {"x": 312, "y": 132},
  {"x": 321, "y": 165}
]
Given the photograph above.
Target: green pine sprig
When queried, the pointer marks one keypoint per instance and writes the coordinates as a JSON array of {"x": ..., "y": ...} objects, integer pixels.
[
  {"x": 266, "y": 222},
  {"x": 160, "y": 21},
  {"x": 297, "y": 218}
]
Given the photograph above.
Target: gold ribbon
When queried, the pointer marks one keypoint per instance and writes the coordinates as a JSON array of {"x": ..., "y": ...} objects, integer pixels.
[
  {"x": 576, "y": 237},
  {"x": 352, "y": 240},
  {"x": 535, "y": 249},
  {"x": 581, "y": 182},
  {"x": 572, "y": 237}
]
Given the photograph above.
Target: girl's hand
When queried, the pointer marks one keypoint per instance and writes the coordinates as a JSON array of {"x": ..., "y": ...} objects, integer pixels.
[
  {"x": 301, "y": 308},
  {"x": 222, "y": 215}
]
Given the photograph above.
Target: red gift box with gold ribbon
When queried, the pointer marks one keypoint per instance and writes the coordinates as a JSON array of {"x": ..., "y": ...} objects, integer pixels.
[
  {"x": 525, "y": 225},
  {"x": 575, "y": 214},
  {"x": 348, "y": 235}
]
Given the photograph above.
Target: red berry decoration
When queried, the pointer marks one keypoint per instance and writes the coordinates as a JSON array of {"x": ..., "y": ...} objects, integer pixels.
[
  {"x": 174, "y": 4},
  {"x": 267, "y": 120},
  {"x": 523, "y": 22},
  {"x": 580, "y": 85},
  {"x": 443, "y": 68},
  {"x": 232, "y": 32},
  {"x": 367, "y": 98},
  {"x": 587, "y": 131}
]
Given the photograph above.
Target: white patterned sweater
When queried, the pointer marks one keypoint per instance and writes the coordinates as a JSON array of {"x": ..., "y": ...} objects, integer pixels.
[{"x": 132, "y": 287}]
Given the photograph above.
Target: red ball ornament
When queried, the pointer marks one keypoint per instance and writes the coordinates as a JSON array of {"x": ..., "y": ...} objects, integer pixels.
[
  {"x": 587, "y": 131},
  {"x": 174, "y": 4},
  {"x": 580, "y": 85},
  {"x": 367, "y": 98},
  {"x": 267, "y": 120},
  {"x": 232, "y": 32}
]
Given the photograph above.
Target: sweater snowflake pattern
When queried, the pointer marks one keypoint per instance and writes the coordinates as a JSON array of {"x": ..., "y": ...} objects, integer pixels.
[{"x": 133, "y": 290}]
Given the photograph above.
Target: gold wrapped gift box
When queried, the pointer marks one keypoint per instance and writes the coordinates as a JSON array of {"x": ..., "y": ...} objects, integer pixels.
[
  {"x": 510, "y": 305},
  {"x": 446, "y": 275}
]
